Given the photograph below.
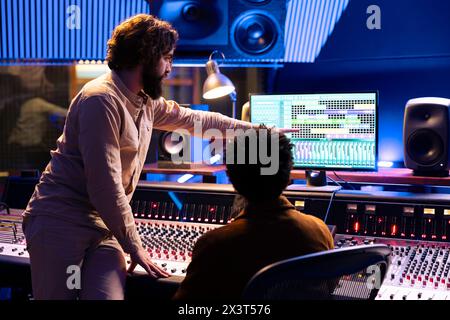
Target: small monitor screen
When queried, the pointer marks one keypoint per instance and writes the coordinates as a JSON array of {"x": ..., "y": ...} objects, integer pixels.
[
  {"x": 18, "y": 191},
  {"x": 337, "y": 131}
]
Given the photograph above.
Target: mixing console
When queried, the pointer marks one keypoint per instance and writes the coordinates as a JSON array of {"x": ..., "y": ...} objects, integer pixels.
[
  {"x": 12, "y": 239},
  {"x": 170, "y": 244},
  {"x": 171, "y": 217},
  {"x": 419, "y": 270}
]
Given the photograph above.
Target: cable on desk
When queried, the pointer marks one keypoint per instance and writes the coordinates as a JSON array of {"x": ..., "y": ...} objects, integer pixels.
[
  {"x": 343, "y": 180},
  {"x": 4, "y": 206},
  {"x": 329, "y": 206}
]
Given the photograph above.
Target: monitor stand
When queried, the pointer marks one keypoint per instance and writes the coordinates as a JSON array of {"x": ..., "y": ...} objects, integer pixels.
[
  {"x": 316, "y": 181},
  {"x": 316, "y": 178},
  {"x": 306, "y": 188}
]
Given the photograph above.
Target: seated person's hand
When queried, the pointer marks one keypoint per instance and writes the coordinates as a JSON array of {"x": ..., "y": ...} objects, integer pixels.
[{"x": 142, "y": 258}]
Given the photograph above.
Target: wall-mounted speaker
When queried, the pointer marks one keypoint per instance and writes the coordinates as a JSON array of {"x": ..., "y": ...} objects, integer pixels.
[
  {"x": 197, "y": 22},
  {"x": 244, "y": 30},
  {"x": 426, "y": 128}
]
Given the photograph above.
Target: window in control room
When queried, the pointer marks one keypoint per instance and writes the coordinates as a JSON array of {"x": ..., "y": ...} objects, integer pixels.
[
  {"x": 33, "y": 106},
  {"x": 34, "y": 100}
]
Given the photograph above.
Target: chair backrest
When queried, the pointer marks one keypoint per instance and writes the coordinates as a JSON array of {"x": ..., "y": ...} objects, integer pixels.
[{"x": 351, "y": 273}]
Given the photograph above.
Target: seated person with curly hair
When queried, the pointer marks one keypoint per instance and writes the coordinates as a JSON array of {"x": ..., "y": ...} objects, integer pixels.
[{"x": 268, "y": 229}]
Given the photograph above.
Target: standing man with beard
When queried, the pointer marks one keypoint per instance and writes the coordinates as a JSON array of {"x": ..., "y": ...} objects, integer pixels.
[{"x": 79, "y": 221}]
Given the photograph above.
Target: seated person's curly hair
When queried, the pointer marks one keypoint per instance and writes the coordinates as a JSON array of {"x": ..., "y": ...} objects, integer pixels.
[{"x": 247, "y": 178}]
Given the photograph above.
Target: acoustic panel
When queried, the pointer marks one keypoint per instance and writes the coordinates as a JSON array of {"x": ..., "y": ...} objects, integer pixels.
[{"x": 61, "y": 30}]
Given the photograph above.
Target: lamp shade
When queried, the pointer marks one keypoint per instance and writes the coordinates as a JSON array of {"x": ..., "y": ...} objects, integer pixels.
[{"x": 216, "y": 84}]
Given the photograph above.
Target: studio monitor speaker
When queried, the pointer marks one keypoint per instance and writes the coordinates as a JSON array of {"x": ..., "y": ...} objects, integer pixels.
[
  {"x": 179, "y": 150},
  {"x": 426, "y": 128},
  {"x": 244, "y": 30},
  {"x": 172, "y": 145}
]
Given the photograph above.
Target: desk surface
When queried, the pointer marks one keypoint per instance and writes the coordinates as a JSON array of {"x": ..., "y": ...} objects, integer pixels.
[
  {"x": 199, "y": 169},
  {"x": 382, "y": 176}
]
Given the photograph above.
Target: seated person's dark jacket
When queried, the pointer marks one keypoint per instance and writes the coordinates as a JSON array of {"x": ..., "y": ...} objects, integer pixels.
[{"x": 225, "y": 259}]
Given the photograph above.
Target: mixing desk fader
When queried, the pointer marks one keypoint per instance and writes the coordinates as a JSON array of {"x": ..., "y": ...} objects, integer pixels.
[
  {"x": 170, "y": 243},
  {"x": 12, "y": 240},
  {"x": 419, "y": 270}
]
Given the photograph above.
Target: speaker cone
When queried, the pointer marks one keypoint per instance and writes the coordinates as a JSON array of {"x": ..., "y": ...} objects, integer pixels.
[
  {"x": 258, "y": 2},
  {"x": 425, "y": 147},
  {"x": 170, "y": 147},
  {"x": 192, "y": 19},
  {"x": 255, "y": 33}
]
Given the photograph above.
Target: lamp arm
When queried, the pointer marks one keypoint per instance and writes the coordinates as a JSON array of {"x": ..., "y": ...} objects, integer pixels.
[
  {"x": 233, "y": 102},
  {"x": 233, "y": 96}
]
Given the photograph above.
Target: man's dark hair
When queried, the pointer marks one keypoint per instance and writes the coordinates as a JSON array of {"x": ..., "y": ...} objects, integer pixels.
[
  {"x": 247, "y": 178},
  {"x": 141, "y": 39}
]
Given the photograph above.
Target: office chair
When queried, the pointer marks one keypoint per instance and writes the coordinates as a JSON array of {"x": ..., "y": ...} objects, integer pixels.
[{"x": 351, "y": 273}]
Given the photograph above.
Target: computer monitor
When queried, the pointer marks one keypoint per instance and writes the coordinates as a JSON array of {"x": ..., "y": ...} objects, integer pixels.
[
  {"x": 18, "y": 191},
  {"x": 338, "y": 131}
]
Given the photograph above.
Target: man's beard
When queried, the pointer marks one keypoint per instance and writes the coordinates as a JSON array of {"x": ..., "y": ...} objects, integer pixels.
[{"x": 152, "y": 84}]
